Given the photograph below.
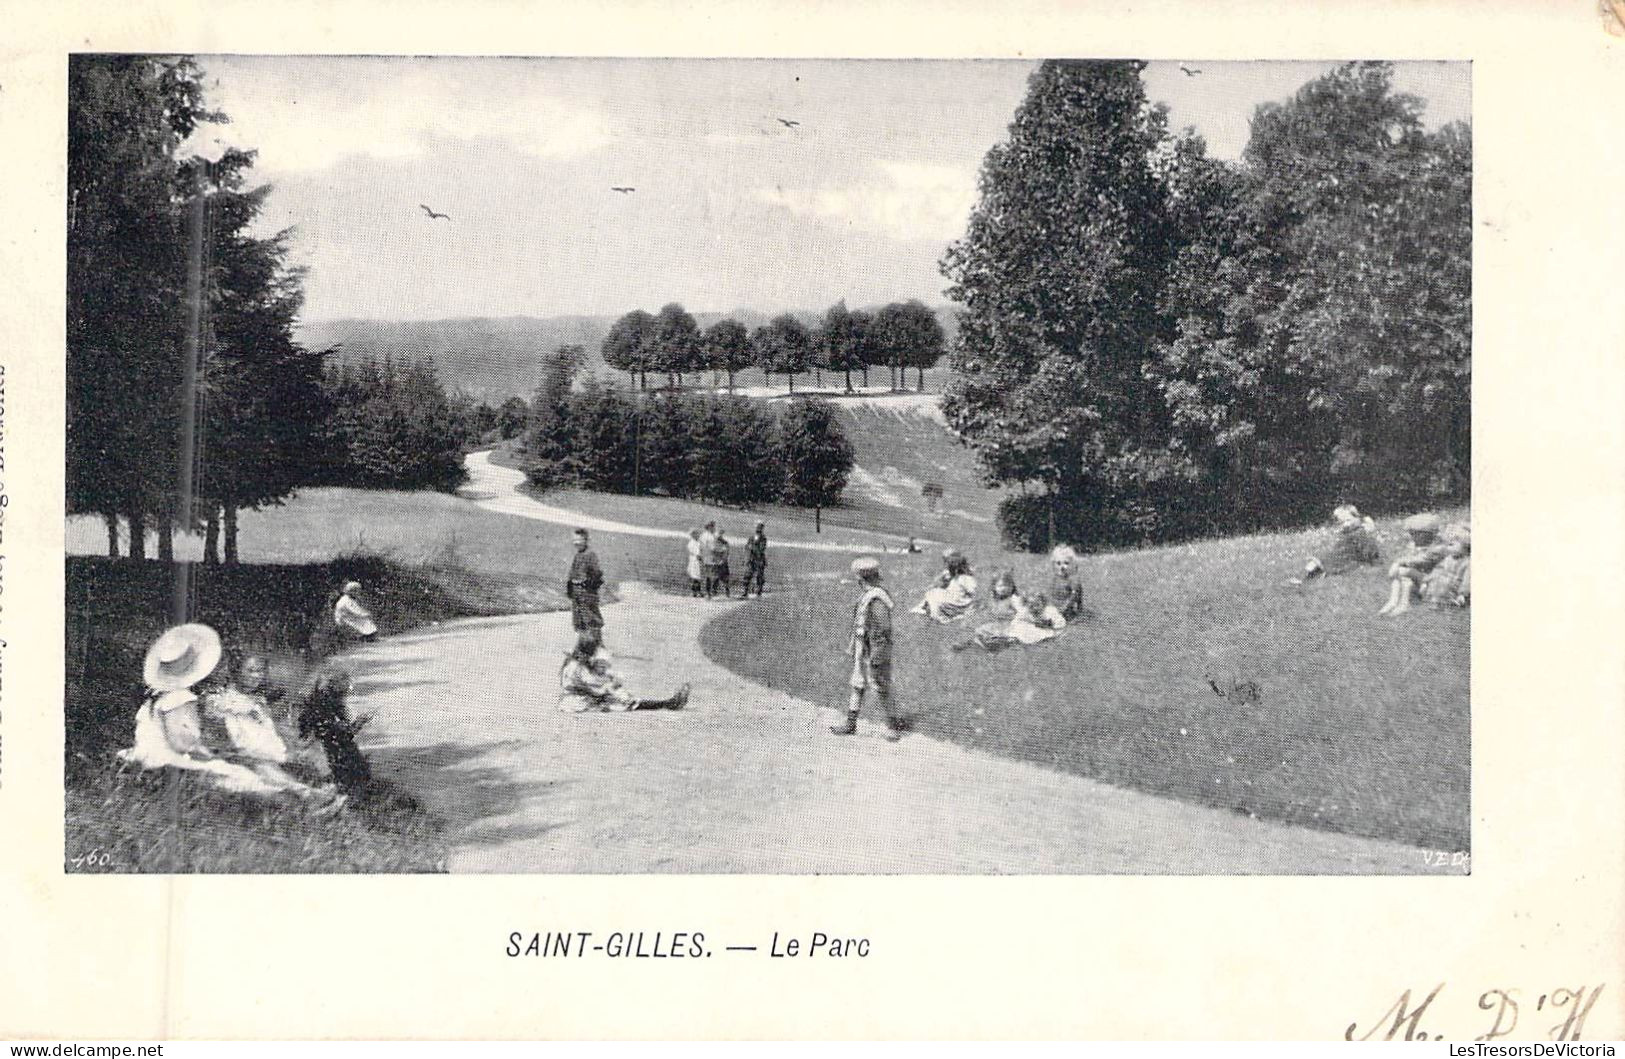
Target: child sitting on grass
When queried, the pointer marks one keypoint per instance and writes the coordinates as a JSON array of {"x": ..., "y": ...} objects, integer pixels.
[
  {"x": 1449, "y": 585},
  {"x": 1020, "y": 620},
  {"x": 1411, "y": 569},
  {"x": 1353, "y": 542}
]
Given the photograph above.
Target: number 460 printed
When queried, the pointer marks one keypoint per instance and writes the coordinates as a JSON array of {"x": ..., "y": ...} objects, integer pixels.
[{"x": 93, "y": 859}]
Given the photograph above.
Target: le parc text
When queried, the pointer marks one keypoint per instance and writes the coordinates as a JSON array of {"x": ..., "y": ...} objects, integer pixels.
[{"x": 661, "y": 945}]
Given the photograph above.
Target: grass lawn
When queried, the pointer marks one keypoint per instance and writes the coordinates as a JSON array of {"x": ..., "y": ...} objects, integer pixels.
[{"x": 1362, "y": 725}]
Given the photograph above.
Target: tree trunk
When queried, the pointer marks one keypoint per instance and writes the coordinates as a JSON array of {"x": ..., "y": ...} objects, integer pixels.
[
  {"x": 792, "y": 383},
  {"x": 866, "y": 376},
  {"x": 891, "y": 377},
  {"x": 138, "y": 535},
  {"x": 818, "y": 373},
  {"x": 922, "y": 379},
  {"x": 818, "y": 519},
  {"x": 166, "y": 541},
  {"x": 231, "y": 533},
  {"x": 632, "y": 378},
  {"x": 730, "y": 380},
  {"x": 211, "y": 536},
  {"x": 112, "y": 533},
  {"x": 848, "y": 380},
  {"x": 644, "y": 376}
]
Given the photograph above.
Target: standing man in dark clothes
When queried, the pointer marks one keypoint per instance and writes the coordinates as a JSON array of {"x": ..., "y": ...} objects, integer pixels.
[
  {"x": 586, "y": 578},
  {"x": 756, "y": 560}
]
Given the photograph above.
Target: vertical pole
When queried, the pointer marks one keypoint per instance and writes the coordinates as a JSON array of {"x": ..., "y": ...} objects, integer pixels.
[{"x": 190, "y": 345}]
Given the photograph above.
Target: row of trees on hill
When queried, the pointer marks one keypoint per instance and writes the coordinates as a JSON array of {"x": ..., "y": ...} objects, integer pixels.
[
  {"x": 1155, "y": 342},
  {"x": 899, "y": 336},
  {"x": 187, "y": 398},
  {"x": 716, "y": 448}
]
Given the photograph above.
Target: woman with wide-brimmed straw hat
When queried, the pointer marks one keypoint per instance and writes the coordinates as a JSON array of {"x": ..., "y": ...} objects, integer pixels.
[{"x": 169, "y": 725}]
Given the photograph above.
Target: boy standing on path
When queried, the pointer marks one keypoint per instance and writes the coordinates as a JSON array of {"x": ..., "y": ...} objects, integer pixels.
[
  {"x": 871, "y": 651},
  {"x": 586, "y": 578},
  {"x": 756, "y": 560}
]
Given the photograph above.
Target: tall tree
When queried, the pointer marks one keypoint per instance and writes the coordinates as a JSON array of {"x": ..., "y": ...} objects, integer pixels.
[
  {"x": 815, "y": 455},
  {"x": 127, "y": 256},
  {"x": 727, "y": 346},
  {"x": 1059, "y": 274},
  {"x": 784, "y": 345},
  {"x": 550, "y": 453},
  {"x": 676, "y": 343},
  {"x": 629, "y": 346},
  {"x": 264, "y": 407},
  {"x": 908, "y": 335},
  {"x": 840, "y": 341},
  {"x": 511, "y": 417}
]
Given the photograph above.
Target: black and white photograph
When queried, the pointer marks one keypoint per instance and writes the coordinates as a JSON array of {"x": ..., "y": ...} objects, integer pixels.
[{"x": 726, "y": 466}]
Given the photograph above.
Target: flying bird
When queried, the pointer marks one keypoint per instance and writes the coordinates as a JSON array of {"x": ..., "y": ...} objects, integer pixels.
[
  {"x": 787, "y": 123},
  {"x": 1188, "y": 72},
  {"x": 624, "y": 191},
  {"x": 432, "y": 214}
]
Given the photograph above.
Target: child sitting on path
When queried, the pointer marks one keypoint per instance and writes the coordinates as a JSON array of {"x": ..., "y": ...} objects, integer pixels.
[{"x": 588, "y": 686}]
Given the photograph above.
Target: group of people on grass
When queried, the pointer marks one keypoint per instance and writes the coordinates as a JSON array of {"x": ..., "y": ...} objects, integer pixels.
[
  {"x": 231, "y": 726},
  {"x": 708, "y": 567},
  {"x": 1014, "y": 618},
  {"x": 1435, "y": 569}
]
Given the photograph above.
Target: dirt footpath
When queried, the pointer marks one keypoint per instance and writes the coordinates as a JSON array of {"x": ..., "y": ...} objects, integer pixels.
[{"x": 748, "y": 779}]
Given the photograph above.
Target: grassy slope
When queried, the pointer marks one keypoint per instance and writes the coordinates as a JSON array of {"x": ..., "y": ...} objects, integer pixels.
[
  {"x": 1363, "y": 726},
  {"x": 896, "y": 452}
]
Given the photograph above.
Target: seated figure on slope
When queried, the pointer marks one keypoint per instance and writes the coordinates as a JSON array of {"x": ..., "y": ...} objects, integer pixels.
[
  {"x": 169, "y": 727},
  {"x": 1019, "y": 621},
  {"x": 1353, "y": 542},
  {"x": 1410, "y": 570},
  {"x": 954, "y": 593},
  {"x": 251, "y": 739},
  {"x": 587, "y": 685},
  {"x": 1450, "y": 584}
]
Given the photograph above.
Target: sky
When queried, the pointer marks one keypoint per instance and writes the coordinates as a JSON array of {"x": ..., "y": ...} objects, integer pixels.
[{"x": 732, "y": 209}]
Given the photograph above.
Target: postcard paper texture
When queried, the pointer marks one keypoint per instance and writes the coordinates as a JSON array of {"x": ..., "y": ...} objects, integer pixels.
[{"x": 813, "y": 522}]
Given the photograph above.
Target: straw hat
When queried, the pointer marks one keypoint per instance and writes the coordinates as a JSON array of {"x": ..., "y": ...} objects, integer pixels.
[
  {"x": 352, "y": 587},
  {"x": 1422, "y": 525},
  {"x": 181, "y": 657},
  {"x": 866, "y": 567}
]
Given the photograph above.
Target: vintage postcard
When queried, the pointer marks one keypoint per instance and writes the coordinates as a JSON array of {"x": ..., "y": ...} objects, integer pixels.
[{"x": 995, "y": 514}]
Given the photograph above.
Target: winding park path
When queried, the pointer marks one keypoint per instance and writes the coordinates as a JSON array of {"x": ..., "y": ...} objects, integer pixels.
[
  {"x": 748, "y": 779},
  {"x": 493, "y": 487}
]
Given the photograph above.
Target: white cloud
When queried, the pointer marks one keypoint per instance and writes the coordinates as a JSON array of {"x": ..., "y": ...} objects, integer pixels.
[
  {"x": 907, "y": 201},
  {"x": 306, "y": 116}
]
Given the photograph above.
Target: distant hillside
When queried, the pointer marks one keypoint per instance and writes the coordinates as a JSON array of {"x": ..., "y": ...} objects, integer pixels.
[{"x": 496, "y": 357}]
